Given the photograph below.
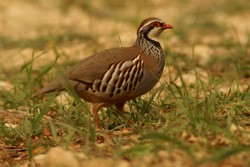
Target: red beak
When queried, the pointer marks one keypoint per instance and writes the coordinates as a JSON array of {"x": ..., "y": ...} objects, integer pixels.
[{"x": 167, "y": 26}]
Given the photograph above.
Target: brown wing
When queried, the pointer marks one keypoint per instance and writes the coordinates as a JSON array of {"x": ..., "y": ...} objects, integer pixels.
[
  {"x": 96, "y": 65},
  {"x": 90, "y": 68}
]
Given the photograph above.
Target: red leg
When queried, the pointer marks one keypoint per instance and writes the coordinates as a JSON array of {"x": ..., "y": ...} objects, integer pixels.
[{"x": 95, "y": 108}]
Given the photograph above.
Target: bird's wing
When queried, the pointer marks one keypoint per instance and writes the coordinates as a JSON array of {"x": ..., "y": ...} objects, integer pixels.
[
  {"x": 96, "y": 65},
  {"x": 90, "y": 69}
]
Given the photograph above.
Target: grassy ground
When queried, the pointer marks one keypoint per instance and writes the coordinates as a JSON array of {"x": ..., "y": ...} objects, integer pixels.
[{"x": 198, "y": 115}]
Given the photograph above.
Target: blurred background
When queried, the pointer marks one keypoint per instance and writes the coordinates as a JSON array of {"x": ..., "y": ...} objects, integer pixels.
[{"x": 213, "y": 32}]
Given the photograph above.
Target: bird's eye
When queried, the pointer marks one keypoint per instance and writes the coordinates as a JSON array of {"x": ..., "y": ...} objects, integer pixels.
[{"x": 155, "y": 24}]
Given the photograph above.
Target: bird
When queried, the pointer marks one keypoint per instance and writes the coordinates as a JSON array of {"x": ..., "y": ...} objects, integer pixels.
[{"x": 115, "y": 76}]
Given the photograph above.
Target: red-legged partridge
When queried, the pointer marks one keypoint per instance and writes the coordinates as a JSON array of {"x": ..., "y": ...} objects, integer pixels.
[{"x": 114, "y": 76}]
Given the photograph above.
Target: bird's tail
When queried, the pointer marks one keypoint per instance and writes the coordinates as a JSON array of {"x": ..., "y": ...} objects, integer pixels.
[{"x": 54, "y": 86}]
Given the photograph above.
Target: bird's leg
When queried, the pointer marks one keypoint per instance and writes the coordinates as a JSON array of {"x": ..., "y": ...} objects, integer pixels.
[
  {"x": 95, "y": 108},
  {"x": 120, "y": 111}
]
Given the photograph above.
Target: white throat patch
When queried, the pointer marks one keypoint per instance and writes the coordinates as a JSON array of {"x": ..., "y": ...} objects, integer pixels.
[{"x": 154, "y": 33}]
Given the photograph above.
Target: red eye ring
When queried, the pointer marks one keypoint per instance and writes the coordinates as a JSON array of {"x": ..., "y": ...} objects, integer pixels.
[{"x": 155, "y": 24}]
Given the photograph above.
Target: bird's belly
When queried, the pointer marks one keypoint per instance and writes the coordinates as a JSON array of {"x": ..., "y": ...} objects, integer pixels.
[
  {"x": 116, "y": 95},
  {"x": 100, "y": 97}
]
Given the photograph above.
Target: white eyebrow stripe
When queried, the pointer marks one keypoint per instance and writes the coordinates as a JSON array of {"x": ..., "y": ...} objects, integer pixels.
[{"x": 145, "y": 25}]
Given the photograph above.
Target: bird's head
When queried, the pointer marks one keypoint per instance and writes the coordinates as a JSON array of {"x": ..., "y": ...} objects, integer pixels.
[{"x": 151, "y": 28}]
